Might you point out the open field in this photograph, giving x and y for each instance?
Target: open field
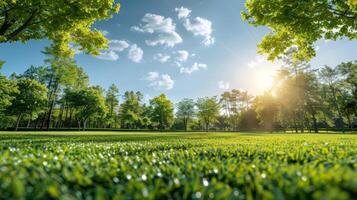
(111, 165)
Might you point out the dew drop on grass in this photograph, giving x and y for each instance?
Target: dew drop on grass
(116, 180)
(176, 181)
(128, 176)
(263, 175)
(145, 192)
(144, 177)
(236, 193)
(198, 195)
(205, 182)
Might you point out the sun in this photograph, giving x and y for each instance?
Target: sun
(263, 79)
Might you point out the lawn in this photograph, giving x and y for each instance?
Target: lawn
(113, 165)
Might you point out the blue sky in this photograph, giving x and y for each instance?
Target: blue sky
(184, 48)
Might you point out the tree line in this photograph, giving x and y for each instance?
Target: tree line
(58, 95)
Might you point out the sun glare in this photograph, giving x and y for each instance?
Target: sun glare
(263, 79)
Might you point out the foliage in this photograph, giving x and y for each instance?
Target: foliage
(89, 102)
(177, 166)
(64, 22)
(186, 111)
(208, 110)
(7, 89)
(162, 111)
(131, 110)
(301, 24)
(30, 101)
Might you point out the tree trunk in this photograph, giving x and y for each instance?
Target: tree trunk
(52, 105)
(28, 122)
(18, 121)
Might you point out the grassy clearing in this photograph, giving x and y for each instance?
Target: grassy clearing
(112, 165)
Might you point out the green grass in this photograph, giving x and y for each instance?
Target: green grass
(110, 165)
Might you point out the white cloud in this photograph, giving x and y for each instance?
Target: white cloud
(193, 68)
(182, 55)
(223, 85)
(108, 55)
(183, 12)
(135, 53)
(115, 46)
(261, 61)
(163, 28)
(152, 76)
(160, 81)
(200, 27)
(118, 45)
(258, 60)
(162, 58)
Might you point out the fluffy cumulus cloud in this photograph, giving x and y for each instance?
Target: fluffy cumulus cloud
(118, 45)
(182, 55)
(108, 55)
(200, 27)
(162, 58)
(160, 81)
(193, 68)
(135, 53)
(115, 47)
(223, 85)
(183, 12)
(163, 28)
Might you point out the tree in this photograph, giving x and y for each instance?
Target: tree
(330, 77)
(208, 110)
(30, 100)
(131, 110)
(89, 102)
(185, 111)
(63, 72)
(162, 111)
(267, 109)
(301, 24)
(112, 103)
(7, 89)
(64, 22)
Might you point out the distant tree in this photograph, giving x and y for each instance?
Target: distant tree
(112, 103)
(330, 76)
(267, 109)
(7, 89)
(130, 111)
(61, 21)
(89, 103)
(208, 110)
(248, 120)
(185, 111)
(301, 24)
(348, 90)
(62, 73)
(162, 111)
(30, 100)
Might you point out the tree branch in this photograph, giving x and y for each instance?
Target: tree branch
(23, 26)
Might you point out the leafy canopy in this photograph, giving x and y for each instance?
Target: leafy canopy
(301, 23)
(162, 111)
(62, 21)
